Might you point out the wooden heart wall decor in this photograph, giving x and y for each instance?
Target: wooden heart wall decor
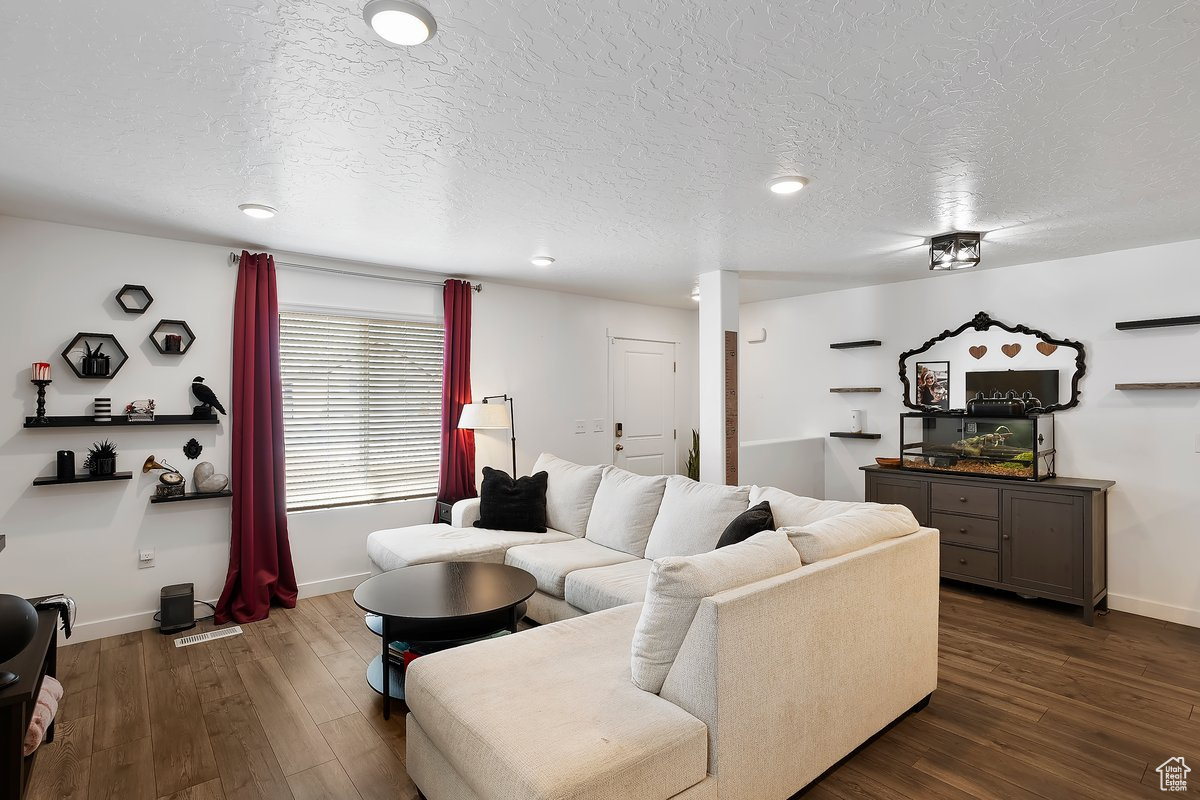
(1045, 348)
(978, 351)
(1011, 350)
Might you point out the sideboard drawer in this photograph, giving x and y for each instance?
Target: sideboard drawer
(976, 532)
(961, 499)
(970, 563)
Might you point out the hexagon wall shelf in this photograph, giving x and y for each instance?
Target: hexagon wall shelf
(163, 337)
(75, 354)
(134, 298)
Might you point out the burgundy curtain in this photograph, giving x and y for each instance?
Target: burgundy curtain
(456, 480)
(260, 558)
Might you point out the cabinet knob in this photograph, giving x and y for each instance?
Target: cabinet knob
(962, 561)
(962, 530)
(1004, 536)
(962, 499)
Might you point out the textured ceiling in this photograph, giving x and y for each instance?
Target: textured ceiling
(630, 139)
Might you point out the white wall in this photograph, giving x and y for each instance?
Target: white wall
(549, 351)
(1145, 441)
(545, 348)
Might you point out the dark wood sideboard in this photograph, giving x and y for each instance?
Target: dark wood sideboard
(1045, 539)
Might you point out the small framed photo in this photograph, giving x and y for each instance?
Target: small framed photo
(933, 384)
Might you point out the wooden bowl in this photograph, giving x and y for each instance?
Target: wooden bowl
(888, 462)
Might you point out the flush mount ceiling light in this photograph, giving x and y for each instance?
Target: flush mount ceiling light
(957, 250)
(788, 184)
(541, 261)
(257, 210)
(400, 22)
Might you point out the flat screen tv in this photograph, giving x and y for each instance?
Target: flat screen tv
(1041, 383)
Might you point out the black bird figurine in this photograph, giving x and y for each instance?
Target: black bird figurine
(205, 395)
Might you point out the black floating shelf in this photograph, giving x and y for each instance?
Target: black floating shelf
(856, 390)
(192, 496)
(848, 435)
(852, 345)
(1167, 322)
(1127, 387)
(2, 541)
(89, 422)
(54, 480)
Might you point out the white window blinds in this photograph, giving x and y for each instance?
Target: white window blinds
(362, 403)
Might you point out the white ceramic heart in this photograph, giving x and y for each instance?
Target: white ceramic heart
(205, 479)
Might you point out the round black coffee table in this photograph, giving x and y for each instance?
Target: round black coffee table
(449, 602)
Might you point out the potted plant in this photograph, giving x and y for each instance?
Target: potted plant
(101, 459)
(693, 459)
(95, 363)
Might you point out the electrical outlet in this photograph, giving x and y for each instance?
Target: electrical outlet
(597, 426)
(580, 426)
(145, 559)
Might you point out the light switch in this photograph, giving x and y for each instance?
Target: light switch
(580, 426)
(598, 427)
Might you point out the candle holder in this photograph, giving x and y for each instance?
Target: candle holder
(41, 418)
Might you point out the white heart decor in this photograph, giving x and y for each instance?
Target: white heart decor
(206, 481)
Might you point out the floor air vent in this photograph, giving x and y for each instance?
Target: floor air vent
(197, 638)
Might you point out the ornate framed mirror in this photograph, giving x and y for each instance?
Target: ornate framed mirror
(993, 357)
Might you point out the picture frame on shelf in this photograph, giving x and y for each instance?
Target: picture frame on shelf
(933, 384)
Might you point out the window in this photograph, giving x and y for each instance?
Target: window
(362, 403)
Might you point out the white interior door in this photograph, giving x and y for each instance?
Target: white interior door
(642, 387)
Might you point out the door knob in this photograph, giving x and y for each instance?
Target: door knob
(619, 447)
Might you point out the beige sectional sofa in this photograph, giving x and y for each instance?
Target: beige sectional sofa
(748, 693)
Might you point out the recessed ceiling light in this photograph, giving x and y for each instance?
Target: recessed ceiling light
(541, 261)
(257, 210)
(400, 22)
(788, 184)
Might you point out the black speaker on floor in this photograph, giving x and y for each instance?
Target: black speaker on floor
(177, 608)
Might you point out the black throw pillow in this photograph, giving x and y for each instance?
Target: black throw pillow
(751, 521)
(512, 505)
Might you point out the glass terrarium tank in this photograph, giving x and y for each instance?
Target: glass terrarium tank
(1019, 447)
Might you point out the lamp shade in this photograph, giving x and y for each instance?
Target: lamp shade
(484, 416)
(18, 626)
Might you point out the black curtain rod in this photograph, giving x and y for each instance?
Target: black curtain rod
(235, 258)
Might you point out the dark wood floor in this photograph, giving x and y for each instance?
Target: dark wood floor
(1030, 704)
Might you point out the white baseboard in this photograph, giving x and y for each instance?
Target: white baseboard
(1150, 608)
(144, 620)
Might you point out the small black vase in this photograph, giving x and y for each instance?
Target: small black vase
(103, 466)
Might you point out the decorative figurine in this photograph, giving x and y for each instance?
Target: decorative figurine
(102, 409)
(208, 400)
(140, 411)
(171, 483)
(101, 459)
(205, 481)
(193, 449)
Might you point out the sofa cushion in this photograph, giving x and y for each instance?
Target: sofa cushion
(755, 519)
(581, 731)
(851, 530)
(676, 587)
(425, 544)
(624, 510)
(792, 510)
(569, 492)
(509, 504)
(551, 563)
(599, 588)
(692, 516)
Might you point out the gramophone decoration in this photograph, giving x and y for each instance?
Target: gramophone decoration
(171, 482)
(208, 400)
(206, 480)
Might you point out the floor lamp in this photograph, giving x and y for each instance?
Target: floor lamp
(491, 416)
